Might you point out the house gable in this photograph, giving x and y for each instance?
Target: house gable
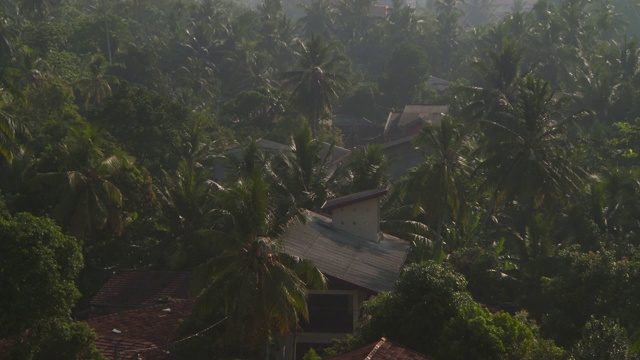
(358, 214)
(411, 120)
(362, 219)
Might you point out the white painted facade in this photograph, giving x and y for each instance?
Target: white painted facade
(360, 219)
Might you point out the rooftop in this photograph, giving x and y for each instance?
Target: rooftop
(138, 288)
(350, 199)
(148, 331)
(381, 350)
(264, 144)
(336, 253)
(412, 113)
(438, 83)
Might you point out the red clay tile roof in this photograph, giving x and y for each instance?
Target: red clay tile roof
(148, 331)
(138, 288)
(382, 350)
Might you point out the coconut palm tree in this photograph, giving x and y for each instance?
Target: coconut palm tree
(318, 79)
(319, 18)
(7, 131)
(498, 72)
(9, 128)
(261, 289)
(95, 86)
(448, 18)
(38, 9)
(7, 34)
(306, 171)
(443, 175)
(188, 195)
(368, 168)
(199, 74)
(85, 198)
(29, 70)
(526, 153)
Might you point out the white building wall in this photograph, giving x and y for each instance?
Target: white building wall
(361, 219)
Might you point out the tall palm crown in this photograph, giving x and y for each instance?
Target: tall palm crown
(84, 195)
(526, 156)
(94, 85)
(319, 78)
(318, 19)
(259, 286)
(10, 127)
(305, 171)
(444, 171)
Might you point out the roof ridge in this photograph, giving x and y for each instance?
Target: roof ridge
(143, 309)
(375, 348)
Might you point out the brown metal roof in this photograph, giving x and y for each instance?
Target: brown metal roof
(148, 331)
(137, 288)
(350, 199)
(382, 350)
(372, 266)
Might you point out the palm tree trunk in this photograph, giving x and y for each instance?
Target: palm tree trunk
(106, 27)
(492, 204)
(266, 350)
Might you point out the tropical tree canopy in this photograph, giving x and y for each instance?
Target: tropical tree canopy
(320, 77)
(261, 288)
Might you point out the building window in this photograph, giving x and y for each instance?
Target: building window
(329, 313)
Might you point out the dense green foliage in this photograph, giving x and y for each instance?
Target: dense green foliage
(39, 267)
(114, 113)
(451, 325)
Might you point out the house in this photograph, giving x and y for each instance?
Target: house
(380, 350)
(137, 312)
(403, 156)
(143, 308)
(400, 131)
(438, 83)
(357, 131)
(132, 289)
(358, 260)
(145, 333)
(412, 119)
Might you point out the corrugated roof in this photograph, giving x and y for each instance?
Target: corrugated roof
(263, 144)
(382, 350)
(351, 120)
(336, 153)
(137, 288)
(438, 83)
(354, 198)
(373, 266)
(406, 139)
(148, 331)
(423, 113)
(392, 120)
